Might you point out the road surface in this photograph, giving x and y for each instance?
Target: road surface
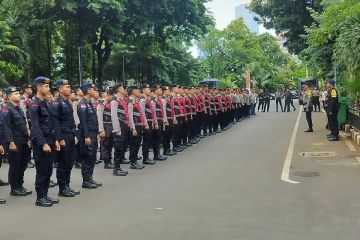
(228, 186)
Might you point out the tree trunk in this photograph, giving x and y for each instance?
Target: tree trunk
(103, 55)
(48, 43)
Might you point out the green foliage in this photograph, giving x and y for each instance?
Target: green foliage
(235, 50)
(289, 17)
(334, 41)
(153, 38)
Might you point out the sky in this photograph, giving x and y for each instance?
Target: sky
(224, 12)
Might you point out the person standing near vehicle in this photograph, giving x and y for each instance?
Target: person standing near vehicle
(278, 97)
(316, 99)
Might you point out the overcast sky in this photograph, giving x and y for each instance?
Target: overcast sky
(224, 11)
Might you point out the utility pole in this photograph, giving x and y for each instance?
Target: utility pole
(80, 61)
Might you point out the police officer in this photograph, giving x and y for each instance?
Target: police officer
(25, 104)
(308, 107)
(63, 112)
(150, 124)
(120, 125)
(137, 123)
(105, 129)
(2, 151)
(44, 130)
(18, 142)
(162, 122)
(332, 110)
(171, 119)
(88, 132)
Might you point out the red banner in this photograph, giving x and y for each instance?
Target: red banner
(248, 83)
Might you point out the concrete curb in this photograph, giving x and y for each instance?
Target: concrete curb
(354, 133)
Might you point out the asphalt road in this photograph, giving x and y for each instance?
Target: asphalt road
(226, 187)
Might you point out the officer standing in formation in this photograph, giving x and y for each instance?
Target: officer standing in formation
(44, 134)
(88, 132)
(18, 139)
(63, 113)
(66, 128)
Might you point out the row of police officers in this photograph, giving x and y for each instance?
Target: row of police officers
(69, 127)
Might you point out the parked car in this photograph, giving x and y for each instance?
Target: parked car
(272, 96)
(294, 95)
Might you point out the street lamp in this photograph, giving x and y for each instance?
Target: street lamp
(80, 63)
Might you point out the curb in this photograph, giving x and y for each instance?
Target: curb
(354, 133)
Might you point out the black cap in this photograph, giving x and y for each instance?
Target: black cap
(25, 86)
(145, 86)
(114, 89)
(41, 80)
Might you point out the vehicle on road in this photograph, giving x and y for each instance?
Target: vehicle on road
(272, 96)
(294, 94)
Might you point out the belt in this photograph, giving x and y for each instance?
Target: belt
(49, 133)
(68, 130)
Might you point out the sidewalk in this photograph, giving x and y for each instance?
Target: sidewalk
(314, 156)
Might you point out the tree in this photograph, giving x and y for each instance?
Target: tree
(235, 50)
(289, 17)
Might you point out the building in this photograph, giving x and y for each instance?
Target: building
(243, 11)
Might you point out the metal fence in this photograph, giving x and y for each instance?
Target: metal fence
(353, 116)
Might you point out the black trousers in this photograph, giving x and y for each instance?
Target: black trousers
(135, 142)
(168, 133)
(65, 161)
(77, 150)
(184, 130)
(333, 124)
(106, 146)
(147, 141)
(44, 168)
(177, 134)
(316, 103)
(120, 145)
(279, 102)
(266, 106)
(287, 106)
(309, 119)
(17, 164)
(261, 104)
(157, 138)
(88, 156)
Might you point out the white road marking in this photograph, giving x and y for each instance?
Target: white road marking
(286, 169)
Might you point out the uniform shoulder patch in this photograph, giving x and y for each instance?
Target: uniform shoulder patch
(34, 105)
(83, 105)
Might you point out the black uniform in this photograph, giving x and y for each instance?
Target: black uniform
(16, 132)
(64, 114)
(332, 110)
(88, 128)
(44, 129)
